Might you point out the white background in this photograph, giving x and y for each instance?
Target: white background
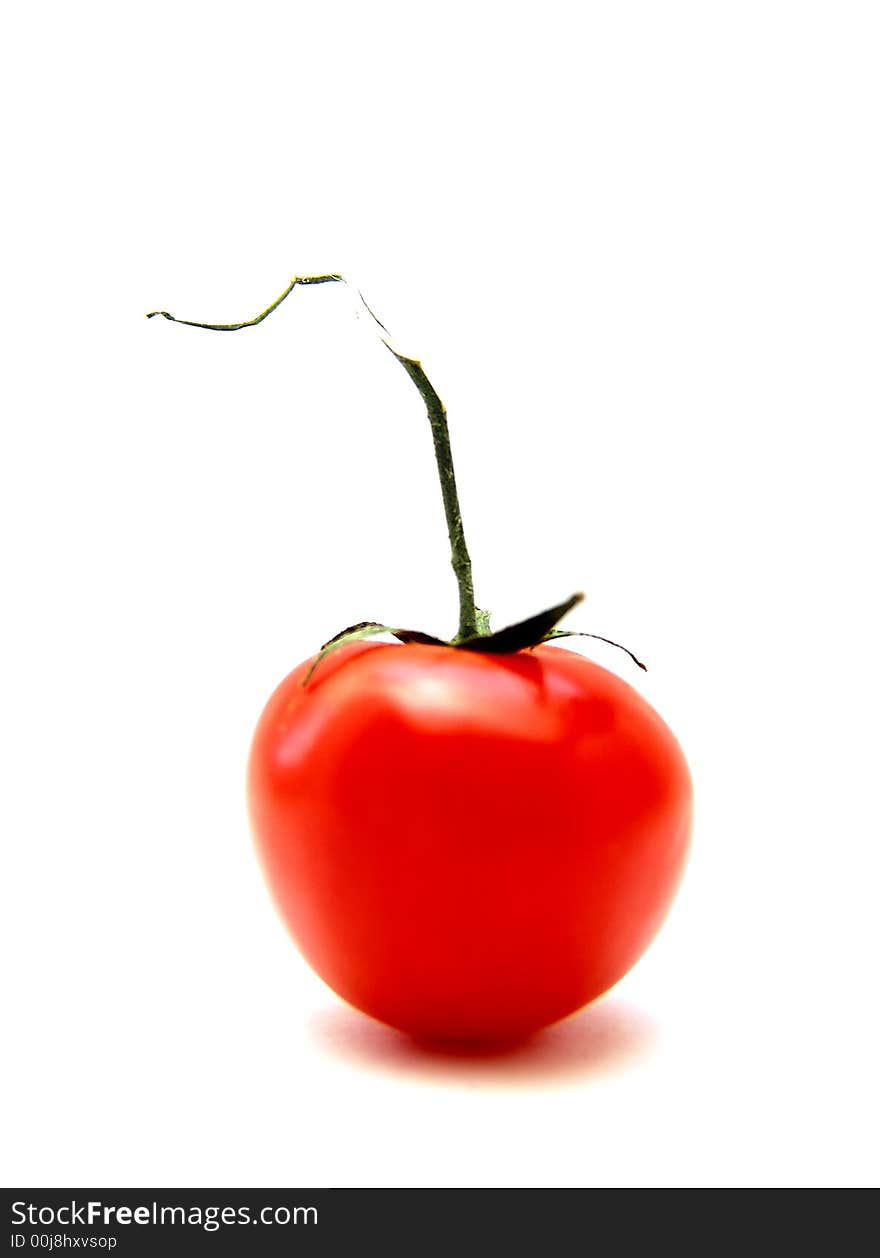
(637, 248)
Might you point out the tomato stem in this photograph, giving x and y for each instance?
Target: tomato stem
(461, 560)
(472, 622)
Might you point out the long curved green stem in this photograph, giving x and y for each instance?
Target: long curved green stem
(471, 622)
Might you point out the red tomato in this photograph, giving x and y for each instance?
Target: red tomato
(468, 846)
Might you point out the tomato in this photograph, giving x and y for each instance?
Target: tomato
(467, 840)
(467, 846)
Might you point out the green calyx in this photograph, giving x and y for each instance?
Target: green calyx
(523, 636)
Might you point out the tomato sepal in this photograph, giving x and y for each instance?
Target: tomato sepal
(364, 630)
(369, 628)
(521, 636)
(577, 633)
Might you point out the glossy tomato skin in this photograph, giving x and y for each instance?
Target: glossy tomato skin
(466, 846)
